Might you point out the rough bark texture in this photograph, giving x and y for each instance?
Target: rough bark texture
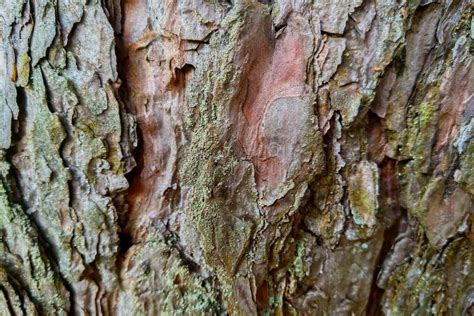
(240, 157)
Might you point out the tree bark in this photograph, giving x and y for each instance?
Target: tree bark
(236, 157)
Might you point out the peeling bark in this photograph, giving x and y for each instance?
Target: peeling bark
(243, 157)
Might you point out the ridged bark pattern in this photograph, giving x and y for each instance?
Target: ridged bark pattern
(287, 157)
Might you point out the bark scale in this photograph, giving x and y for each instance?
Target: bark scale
(213, 157)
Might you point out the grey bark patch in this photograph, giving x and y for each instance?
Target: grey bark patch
(93, 43)
(69, 12)
(44, 30)
(334, 14)
(8, 106)
(332, 58)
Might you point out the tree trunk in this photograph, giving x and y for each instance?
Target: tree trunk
(236, 157)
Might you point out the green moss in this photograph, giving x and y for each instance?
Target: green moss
(275, 305)
(298, 265)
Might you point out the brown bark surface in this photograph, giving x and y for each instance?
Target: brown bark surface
(236, 157)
